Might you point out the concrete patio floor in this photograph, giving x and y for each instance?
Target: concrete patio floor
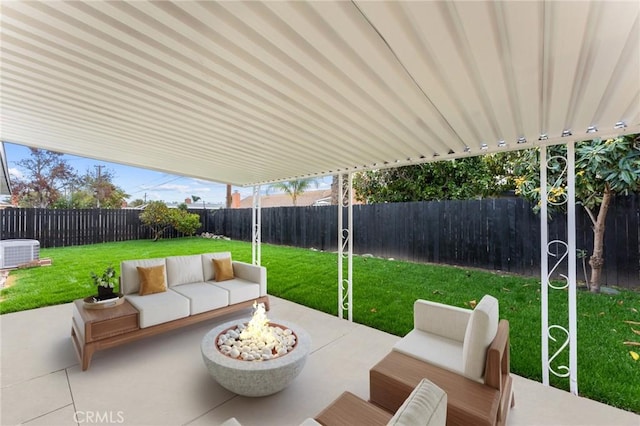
(162, 380)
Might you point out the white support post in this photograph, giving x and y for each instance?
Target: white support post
(256, 224)
(571, 238)
(544, 266)
(556, 194)
(345, 247)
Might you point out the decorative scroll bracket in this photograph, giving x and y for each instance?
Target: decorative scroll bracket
(256, 227)
(345, 246)
(557, 194)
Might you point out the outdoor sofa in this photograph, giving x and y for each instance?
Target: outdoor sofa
(164, 294)
(189, 285)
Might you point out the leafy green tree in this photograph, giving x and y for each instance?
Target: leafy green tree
(158, 217)
(185, 222)
(77, 199)
(105, 193)
(604, 169)
(137, 202)
(46, 174)
(294, 188)
(458, 179)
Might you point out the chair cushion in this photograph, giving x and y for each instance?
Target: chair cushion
(152, 279)
(239, 290)
(437, 350)
(481, 330)
(203, 297)
(160, 307)
(426, 405)
(184, 270)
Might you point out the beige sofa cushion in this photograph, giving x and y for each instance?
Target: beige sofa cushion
(160, 307)
(203, 297)
(184, 270)
(239, 290)
(426, 405)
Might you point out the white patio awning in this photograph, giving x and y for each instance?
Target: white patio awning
(254, 92)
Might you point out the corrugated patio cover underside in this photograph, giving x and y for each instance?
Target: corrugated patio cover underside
(255, 92)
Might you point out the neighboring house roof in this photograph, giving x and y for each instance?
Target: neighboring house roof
(5, 182)
(308, 198)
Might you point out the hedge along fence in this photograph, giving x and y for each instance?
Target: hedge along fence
(496, 234)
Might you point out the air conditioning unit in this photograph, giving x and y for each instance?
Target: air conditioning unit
(14, 253)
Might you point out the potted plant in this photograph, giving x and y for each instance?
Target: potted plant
(105, 283)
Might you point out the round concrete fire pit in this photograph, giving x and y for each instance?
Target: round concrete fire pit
(255, 378)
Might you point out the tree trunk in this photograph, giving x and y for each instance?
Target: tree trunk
(596, 261)
(334, 191)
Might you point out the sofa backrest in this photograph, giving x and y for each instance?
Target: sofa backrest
(481, 330)
(184, 270)
(129, 278)
(207, 263)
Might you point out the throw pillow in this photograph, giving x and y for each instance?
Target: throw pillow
(223, 269)
(151, 280)
(427, 405)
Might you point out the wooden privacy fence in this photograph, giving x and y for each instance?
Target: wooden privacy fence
(496, 234)
(72, 227)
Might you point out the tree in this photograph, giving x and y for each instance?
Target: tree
(294, 188)
(159, 218)
(137, 202)
(185, 222)
(104, 192)
(91, 191)
(195, 199)
(604, 169)
(457, 179)
(46, 174)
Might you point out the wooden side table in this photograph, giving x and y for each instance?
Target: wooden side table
(97, 329)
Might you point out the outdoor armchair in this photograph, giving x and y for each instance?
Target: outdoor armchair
(452, 338)
(472, 343)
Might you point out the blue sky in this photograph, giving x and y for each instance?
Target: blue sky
(139, 183)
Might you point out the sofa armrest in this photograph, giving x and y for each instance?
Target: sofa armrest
(443, 320)
(252, 273)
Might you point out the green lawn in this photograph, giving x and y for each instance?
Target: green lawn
(383, 295)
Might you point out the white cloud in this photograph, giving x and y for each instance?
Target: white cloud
(15, 173)
(166, 187)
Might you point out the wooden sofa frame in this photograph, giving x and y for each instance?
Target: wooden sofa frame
(85, 345)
